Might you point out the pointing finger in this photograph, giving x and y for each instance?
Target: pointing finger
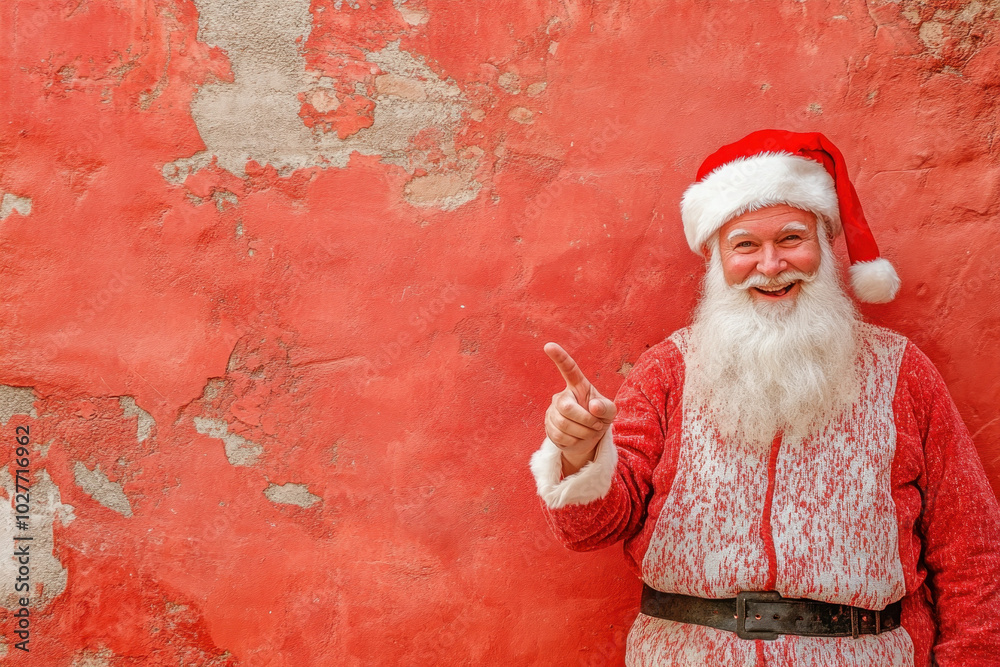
(574, 377)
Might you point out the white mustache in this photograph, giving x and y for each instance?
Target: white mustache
(778, 281)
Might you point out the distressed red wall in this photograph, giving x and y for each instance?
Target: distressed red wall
(276, 278)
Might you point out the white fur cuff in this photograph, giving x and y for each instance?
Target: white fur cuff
(591, 482)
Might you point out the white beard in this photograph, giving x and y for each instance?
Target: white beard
(758, 368)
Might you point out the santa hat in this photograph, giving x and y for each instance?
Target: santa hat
(800, 169)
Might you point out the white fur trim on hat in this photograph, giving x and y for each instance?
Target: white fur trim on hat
(591, 482)
(747, 184)
(875, 281)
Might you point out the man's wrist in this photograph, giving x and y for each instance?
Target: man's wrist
(573, 465)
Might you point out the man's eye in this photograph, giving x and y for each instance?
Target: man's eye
(792, 237)
(744, 244)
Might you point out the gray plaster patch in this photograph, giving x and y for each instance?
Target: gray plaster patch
(97, 485)
(100, 658)
(510, 82)
(16, 401)
(255, 117)
(46, 571)
(444, 191)
(411, 16)
(213, 386)
(224, 197)
(239, 450)
(291, 494)
(146, 421)
(536, 89)
(10, 203)
(522, 115)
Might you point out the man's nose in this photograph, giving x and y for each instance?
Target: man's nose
(770, 263)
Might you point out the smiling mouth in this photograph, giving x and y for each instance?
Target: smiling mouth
(775, 292)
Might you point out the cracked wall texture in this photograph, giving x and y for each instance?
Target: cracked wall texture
(276, 276)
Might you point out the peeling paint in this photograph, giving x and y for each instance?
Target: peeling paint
(536, 89)
(522, 115)
(257, 116)
(239, 450)
(224, 199)
(97, 485)
(445, 191)
(410, 15)
(146, 422)
(213, 386)
(953, 35)
(291, 494)
(16, 401)
(399, 86)
(10, 203)
(48, 575)
(510, 82)
(102, 658)
(932, 35)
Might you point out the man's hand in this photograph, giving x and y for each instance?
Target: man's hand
(578, 416)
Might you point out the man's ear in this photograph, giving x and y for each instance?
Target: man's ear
(711, 245)
(824, 224)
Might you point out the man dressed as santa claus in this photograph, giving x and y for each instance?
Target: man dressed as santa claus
(793, 485)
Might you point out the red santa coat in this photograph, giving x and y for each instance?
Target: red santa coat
(888, 502)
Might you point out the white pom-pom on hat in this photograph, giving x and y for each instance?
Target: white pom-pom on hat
(874, 281)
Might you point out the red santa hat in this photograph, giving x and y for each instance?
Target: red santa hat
(801, 169)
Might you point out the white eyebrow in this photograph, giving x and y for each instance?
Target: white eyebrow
(737, 232)
(794, 227)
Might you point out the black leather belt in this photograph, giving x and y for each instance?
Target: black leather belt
(765, 615)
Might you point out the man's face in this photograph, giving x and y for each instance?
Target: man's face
(770, 250)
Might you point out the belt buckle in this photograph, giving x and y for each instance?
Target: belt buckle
(742, 598)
